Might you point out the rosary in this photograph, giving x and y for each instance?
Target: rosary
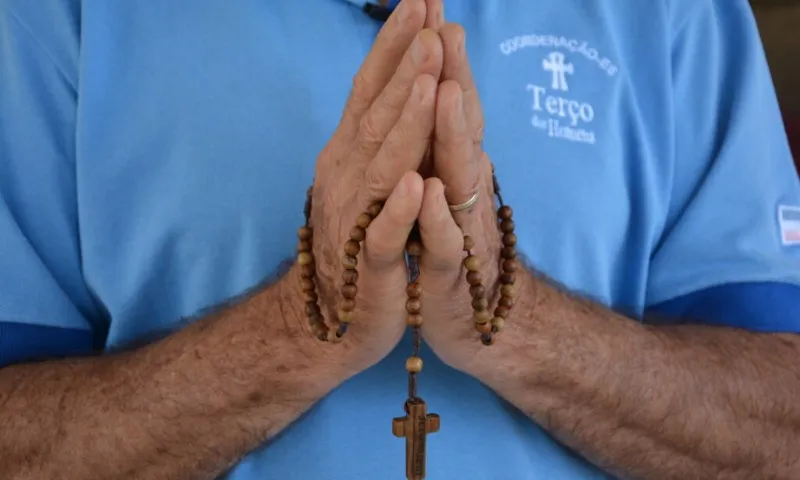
(417, 422)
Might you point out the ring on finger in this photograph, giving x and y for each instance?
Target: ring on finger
(468, 204)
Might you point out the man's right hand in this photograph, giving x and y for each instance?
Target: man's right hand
(374, 155)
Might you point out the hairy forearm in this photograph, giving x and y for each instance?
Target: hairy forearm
(187, 406)
(682, 402)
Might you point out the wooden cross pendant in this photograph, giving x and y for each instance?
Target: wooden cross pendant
(415, 427)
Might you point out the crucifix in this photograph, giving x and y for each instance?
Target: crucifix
(415, 426)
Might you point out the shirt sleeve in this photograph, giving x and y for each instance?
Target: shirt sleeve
(45, 307)
(734, 178)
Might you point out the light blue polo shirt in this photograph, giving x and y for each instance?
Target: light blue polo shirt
(154, 157)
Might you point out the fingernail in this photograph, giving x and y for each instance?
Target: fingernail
(402, 189)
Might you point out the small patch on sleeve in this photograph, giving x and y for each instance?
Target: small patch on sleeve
(789, 222)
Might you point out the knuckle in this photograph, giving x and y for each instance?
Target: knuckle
(452, 34)
(375, 184)
(415, 13)
(362, 86)
(369, 131)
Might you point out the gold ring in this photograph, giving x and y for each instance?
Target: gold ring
(469, 203)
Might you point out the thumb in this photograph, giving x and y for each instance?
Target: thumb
(388, 233)
(442, 237)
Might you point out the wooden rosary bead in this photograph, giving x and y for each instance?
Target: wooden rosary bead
(347, 305)
(350, 276)
(352, 248)
(349, 262)
(303, 246)
(349, 291)
(305, 258)
(345, 317)
(501, 312)
(480, 303)
(334, 337)
(485, 327)
(498, 323)
(314, 320)
(358, 234)
(508, 278)
(507, 302)
(414, 321)
(414, 364)
(305, 233)
(482, 316)
(509, 253)
(505, 212)
(507, 226)
(363, 221)
(472, 264)
(311, 296)
(312, 308)
(510, 266)
(375, 209)
(469, 243)
(307, 271)
(413, 306)
(507, 290)
(307, 285)
(413, 290)
(509, 240)
(474, 278)
(414, 248)
(487, 339)
(477, 291)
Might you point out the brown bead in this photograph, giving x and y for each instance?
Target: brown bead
(469, 243)
(349, 262)
(510, 266)
(375, 209)
(505, 212)
(358, 234)
(483, 327)
(305, 233)
(474, 278)
(414, 248)
(312, 309)
(307, 271)
(501, 312)
(413, 306)
(477, 291)
(305, 258)
(350, 276)
(472, 263)
(311, 296)
(307, 285)
(352, 248)
(363, 220)
(349, 290)
(318, 328)
(508, 278)
(345, 317)
(507, 290)
(487, 339)
(508, 252)
(414, 320)
(507, 302)
(479, 304)
(347, 305)
(334, 337)
(413, 290)
(509, 240)
(482, 316)
(498, 323)
(414, 364)
(303, 246)
(507, 226)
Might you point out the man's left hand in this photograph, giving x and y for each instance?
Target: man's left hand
(462, 169)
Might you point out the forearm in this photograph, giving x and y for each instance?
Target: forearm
(679, 402)
(187, 406)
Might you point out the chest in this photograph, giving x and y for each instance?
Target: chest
(199, 129)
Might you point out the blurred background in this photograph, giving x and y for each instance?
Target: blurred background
(779, 22)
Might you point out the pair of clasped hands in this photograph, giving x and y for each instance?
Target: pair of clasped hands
(411, 135)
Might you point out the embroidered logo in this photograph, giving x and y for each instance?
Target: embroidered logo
(556, 110)
(789, 221)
